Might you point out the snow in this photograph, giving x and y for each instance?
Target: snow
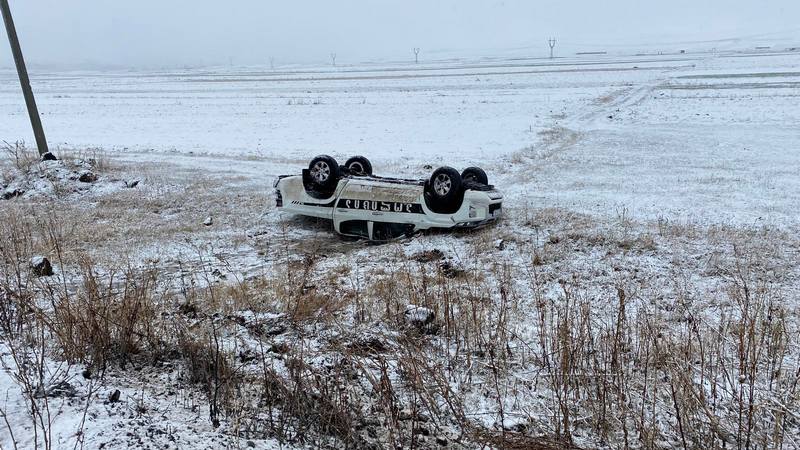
(474, 109)
(37, 261)
(154, 411)
(700, 136)
(635, 169)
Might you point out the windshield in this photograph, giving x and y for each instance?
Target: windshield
(354, 228)
(383, 231)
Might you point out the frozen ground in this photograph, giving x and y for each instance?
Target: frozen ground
(650, 174)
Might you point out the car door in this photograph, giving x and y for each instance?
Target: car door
(379, 201)
(355, 203)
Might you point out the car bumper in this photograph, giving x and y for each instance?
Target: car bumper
(490, 215)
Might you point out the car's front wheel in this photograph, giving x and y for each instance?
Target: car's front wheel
(324, 172)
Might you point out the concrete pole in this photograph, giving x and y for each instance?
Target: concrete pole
(30, 102)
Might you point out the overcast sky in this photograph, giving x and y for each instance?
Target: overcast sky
(205, 32)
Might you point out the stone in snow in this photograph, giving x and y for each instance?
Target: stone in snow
(41, 266)
(87, 177)
(60, 389)
(209, 220)
(516, 424)
(49, 157)
(10, 193)
(132, 183)
(418, 315)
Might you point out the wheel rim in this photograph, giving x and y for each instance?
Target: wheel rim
(357, 168)
(442, 184)
(321, 171)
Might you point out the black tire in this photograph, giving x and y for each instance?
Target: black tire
(359, 165)
(475, 174)
(445, 186)
(324, 172)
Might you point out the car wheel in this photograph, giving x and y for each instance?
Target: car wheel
(359, 165)
(324, 172)
(474, 174)
(445, 186)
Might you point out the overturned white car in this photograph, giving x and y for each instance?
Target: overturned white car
(363, 205)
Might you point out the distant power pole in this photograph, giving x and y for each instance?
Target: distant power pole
(30, 102)
(333, 58)
(416, 54)
(272, 62)
(552, 43)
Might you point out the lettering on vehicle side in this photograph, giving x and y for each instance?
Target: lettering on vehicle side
(378, 205)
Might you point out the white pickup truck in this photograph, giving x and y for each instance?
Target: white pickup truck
(363, 205)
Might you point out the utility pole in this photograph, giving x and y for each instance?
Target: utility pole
(333, 58)
(30, 102)
(552, 43)
(416, 55)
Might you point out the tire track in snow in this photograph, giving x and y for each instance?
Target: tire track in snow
(626, 99)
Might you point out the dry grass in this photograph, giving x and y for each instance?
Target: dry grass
(21, 157)
(551, 330)
(98, 159)
(631, 372)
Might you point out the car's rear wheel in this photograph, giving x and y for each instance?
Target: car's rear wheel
(359, 165)
(474, 174)
(324, 172)
(445, 187)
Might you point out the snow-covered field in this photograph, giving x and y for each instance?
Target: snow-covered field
(666, 180)
(703, 136)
